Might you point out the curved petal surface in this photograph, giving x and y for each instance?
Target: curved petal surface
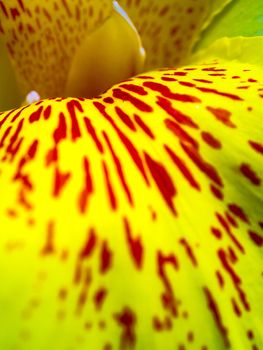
(134, 221)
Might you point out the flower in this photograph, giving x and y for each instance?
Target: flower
(132, 220)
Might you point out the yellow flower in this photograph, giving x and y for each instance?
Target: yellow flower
(131, 220)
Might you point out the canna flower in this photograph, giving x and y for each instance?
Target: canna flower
(131, 218)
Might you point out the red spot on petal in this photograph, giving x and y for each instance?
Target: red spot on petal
(49, 245)
(236, 308)
(186, 83)
(239, 212)
(143, 126)
(119, 169)
(5, 135)
(222, 115)
(220, 93)
(105, 258)
(89, 245)
(52, 156)
(205, 167)
(134, 88)
(127, 320)
(220, 279)
(162, 180)
(226, 263)
(258, 147)
(112, 197)
(183, 168)
(61, 131)
(256, 238)
(213, 69)
(204, 81)
(137, 103)
(60, 181)
(88, 187)
(168, 79)
(217, 316)
(47, 112)
(92, 132)
(227, 229)
(180, 74)
(73, 106)
(211, 140)
(178, 116)
(35, 116)
(15, 144)
(135, 245)
(216, 232)
(189, 251)
(17, 115)
(166, 92)
(250, 174)
(109, 100)
(99, 298)
(250, 334)
(180, 133)
(125, 118)
(217, 192)
(168, 297)
(159, 325)
(133, 152)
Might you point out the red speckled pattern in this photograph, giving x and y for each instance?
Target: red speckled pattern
(134, 220)
(170, 28)
(43, 36)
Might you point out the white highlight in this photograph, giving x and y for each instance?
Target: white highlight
(121, 12)
(32, 97)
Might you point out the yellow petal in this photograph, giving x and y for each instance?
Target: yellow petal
(170, 28)
(109, 55)
(242, 49)
(43, 37)
(134, 221)
(9, 92)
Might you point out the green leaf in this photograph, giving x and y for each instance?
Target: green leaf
(239, 18)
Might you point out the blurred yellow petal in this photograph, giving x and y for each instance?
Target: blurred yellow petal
(9, 92)
(52, 44)
(134, 220)
(110, 55)
(170, 28)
